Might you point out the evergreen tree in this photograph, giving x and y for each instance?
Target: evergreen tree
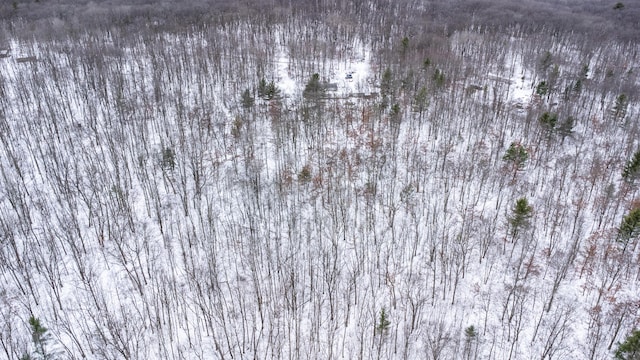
(313, 88)
(386, 88)
(470, 337)
(395, 111)
(585, 71)
(549, 120)
(40, 338)
(470, 332)
(620, 108)
(267, 91)
(545, 61)
(516, 154)
(247, 99)
(262, 88)
(577, 87)
(420, 100)
(383, 322)
(168, 158)
(386, 84)
(542, 89)
(630, 226)
(39, 335)
(632, 168)
(521, 214)
(630, 348)
(405, 45)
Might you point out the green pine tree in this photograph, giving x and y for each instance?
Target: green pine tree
(405, 45)
(168, 158)
(577, 87)
(549, 120)
(546, 61)
(516, 154)
(470, 332)
(632, 168)
(247, 99)
(470, 337)
(585, 71)
(386, 84)
(630, 226)
(262, 88)
(542, 89)
(630, 348)
(620, 107)
(272, 91)
(268, 90)
(395, 111)
(39, 335)
(383, 322)
(313, 88)
(40, 338)
(520, 216)
(420, 101)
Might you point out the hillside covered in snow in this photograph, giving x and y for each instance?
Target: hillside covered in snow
(379, 180)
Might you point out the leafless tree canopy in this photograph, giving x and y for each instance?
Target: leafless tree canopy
(319, 180)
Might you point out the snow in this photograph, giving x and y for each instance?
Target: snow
(227, 252)
(283, 78)
(352, 75)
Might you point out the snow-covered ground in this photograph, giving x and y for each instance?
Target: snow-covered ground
(351, 75)
(146, 214)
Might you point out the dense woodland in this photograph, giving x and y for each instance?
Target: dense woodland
(183, 180)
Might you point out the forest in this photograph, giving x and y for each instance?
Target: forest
(328, 179)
